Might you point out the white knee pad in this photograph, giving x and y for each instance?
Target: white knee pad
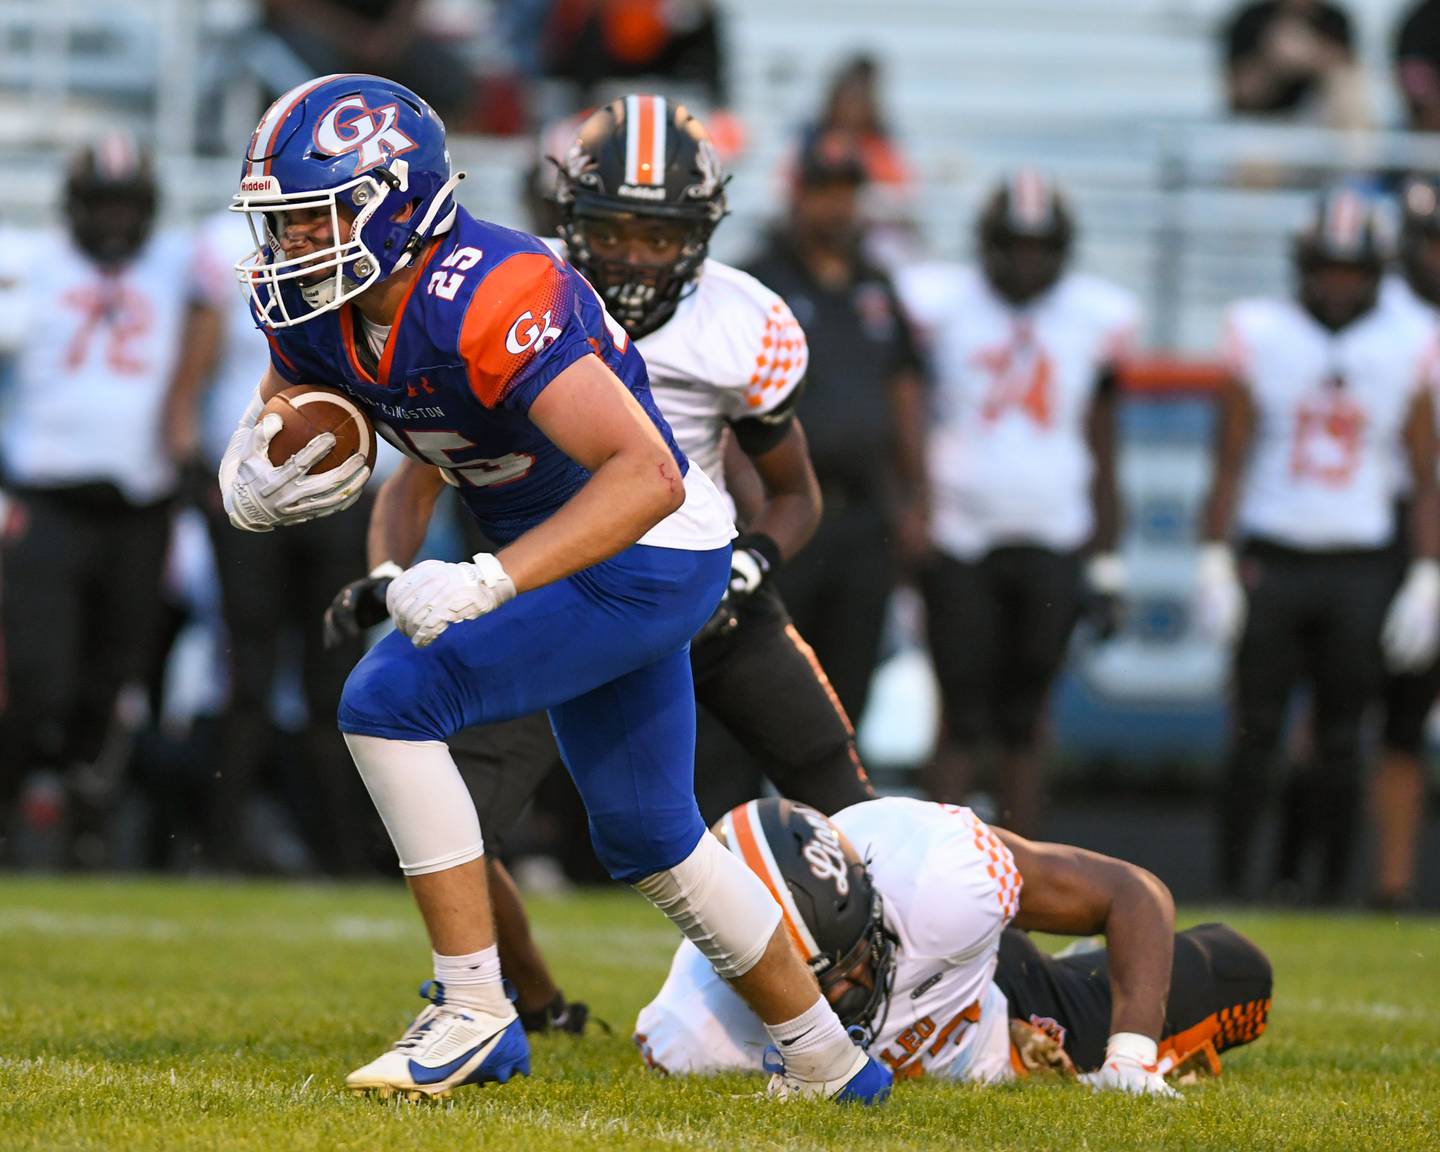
(423, 801)
(721, 906)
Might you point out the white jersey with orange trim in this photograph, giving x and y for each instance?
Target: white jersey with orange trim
(732, 351)
(949, 888)
(1330, 411)
(1008, 457)
(93, 368)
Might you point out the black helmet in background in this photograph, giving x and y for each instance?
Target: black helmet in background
(110, 199)
(1340, 257)
(1420, 237)
(1025, 234)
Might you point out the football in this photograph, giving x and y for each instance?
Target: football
(305, 411)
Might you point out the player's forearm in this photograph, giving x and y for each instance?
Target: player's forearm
(1104, 488)
(1420, 441)
(1139, 934)
(791, 511)
(624, 498)
(907, 401)
(401, 515)
(1232, 442)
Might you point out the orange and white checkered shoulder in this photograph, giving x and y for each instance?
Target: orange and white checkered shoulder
(754, 350)
(949, 883)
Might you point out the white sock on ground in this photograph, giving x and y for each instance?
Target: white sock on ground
(814, 1045)
(473, 981)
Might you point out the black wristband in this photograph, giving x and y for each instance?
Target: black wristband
(764, 546)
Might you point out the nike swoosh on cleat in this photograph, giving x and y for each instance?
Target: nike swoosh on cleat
(422, 1074)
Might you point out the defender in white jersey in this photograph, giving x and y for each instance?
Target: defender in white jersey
(1021, 465)
(904, 907)
(1326, 389)
(95, 314)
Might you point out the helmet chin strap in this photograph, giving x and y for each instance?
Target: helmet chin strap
(423, 230)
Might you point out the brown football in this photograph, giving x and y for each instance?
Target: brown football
(305, 411)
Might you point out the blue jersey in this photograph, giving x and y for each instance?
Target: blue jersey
(492, 317)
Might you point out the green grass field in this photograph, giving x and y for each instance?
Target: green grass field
(152, 1015)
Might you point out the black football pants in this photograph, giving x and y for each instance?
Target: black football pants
(1313, 618)
(80, 572)
(1220, 987)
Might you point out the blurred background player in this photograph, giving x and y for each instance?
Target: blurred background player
(102, 303)
(914, 915)
(863, 411)
(274, 590)
(1327, 388)
(1397, 797)
(701, 327)
(1024, 514)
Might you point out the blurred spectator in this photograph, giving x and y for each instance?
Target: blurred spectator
(384, 37)
(1295, 58)
(1326, 389)
(1022, 480)
(1398, 785)
(863, 415)
(1417, 65)
(95, 312)
(679, 41)
(852, 109)
(275, 587)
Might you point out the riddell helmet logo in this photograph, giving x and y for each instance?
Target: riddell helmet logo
(536, 334)
(642, 192)
(263, 184)
(351, 125)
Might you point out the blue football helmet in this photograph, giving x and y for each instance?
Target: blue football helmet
(363, 148)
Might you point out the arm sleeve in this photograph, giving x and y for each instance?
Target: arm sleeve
(522, 327)
(280, 360)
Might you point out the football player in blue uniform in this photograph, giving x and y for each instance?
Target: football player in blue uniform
(476, 349)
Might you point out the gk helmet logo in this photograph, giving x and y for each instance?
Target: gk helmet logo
(538, 335)
(353, 126)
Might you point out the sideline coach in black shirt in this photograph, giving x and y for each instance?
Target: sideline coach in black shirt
(863, 414)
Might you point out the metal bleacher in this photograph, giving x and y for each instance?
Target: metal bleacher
(1121, 99)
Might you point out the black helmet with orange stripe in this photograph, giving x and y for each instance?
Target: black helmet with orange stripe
(110, 198)
(641, 191)
(832, 911)
(1340, 257)
(1025, 233)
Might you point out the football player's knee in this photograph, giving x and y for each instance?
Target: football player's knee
(639, 842)
(380, 699)
(719, 904)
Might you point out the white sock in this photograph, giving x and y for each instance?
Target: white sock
(814, 1045)
(473, 981)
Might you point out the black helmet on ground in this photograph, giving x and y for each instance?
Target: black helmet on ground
(832, 912)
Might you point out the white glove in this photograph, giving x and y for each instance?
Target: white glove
(259, 495)
(1130, 1066)
(1219, 601)
(1411, 634)
(428, 598)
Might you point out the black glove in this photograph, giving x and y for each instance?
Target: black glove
(754, 557)
(357, 606)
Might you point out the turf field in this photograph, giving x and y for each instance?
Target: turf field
(149, 1015)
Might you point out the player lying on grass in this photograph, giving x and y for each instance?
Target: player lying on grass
(475, 349)
(913, 915)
